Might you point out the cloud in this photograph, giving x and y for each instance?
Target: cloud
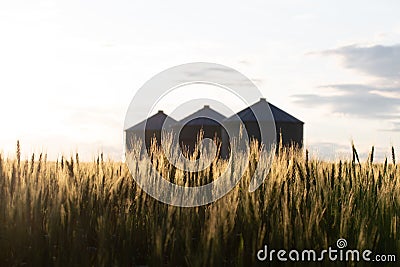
(372, 101)
(395, 127)
(356, 100)
(379, 60)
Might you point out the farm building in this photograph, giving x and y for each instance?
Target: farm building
(206, 120)
(287, 127)
(152, 126)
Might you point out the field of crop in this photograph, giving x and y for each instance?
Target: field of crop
(72, 213)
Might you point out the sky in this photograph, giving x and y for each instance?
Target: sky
(69, 69)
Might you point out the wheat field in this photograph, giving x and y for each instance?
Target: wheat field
(72, 213)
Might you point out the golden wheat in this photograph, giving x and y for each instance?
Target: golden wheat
(72, 213)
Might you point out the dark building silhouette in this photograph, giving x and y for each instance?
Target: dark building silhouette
(287, 127)
(206, 120)
(152, 126)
